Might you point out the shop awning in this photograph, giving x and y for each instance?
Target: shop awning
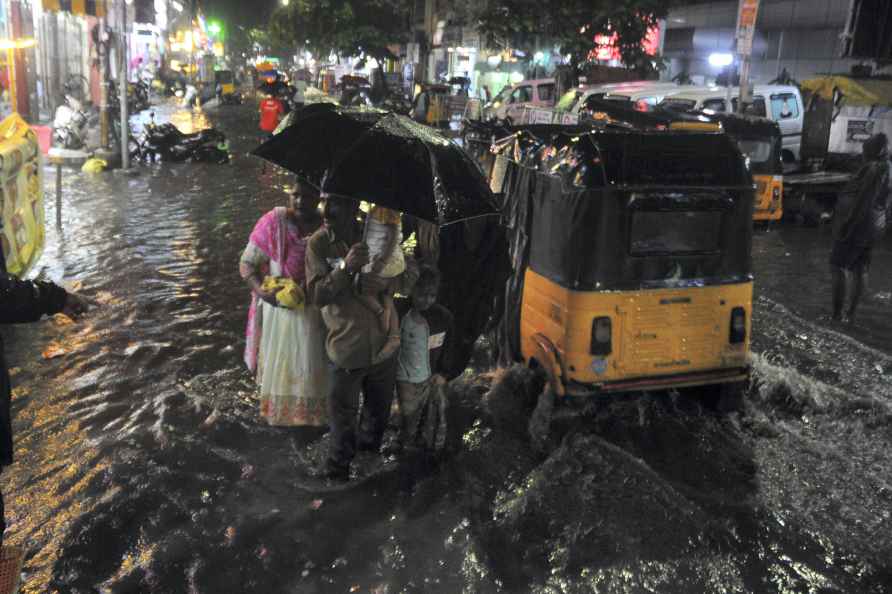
(95, 8)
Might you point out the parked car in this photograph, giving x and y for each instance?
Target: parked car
(639, 94)
(511, 101)
(781, 103)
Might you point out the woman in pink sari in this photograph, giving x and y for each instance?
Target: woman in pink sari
(285, 347)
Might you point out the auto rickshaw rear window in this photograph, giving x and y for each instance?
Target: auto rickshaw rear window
(662, 233)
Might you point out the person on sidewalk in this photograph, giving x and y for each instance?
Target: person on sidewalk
(861, 219)
(24, 301)
(426, 332)
(335, 257)
(285, 346)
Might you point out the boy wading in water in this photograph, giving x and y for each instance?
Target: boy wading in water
(425, 332)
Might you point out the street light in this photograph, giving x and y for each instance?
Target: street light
(720, 60)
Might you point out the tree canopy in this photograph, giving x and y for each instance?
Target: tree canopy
(345, 27)
(572, 24)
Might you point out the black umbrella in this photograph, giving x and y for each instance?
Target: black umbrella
(403, 165)
(316, 139)
(385, 159)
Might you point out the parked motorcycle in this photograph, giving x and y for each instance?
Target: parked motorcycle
(71, 117)
(169, 144)
(137, 97)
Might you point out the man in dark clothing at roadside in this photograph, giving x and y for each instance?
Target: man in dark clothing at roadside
(335, 257)
(24, 301)
(861, 219)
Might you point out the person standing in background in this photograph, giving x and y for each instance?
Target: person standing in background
(861, 219)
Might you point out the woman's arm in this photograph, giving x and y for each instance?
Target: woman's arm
(250, 270)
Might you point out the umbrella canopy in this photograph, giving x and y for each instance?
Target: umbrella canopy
(385, 159)
(411, 168)
(315, 140)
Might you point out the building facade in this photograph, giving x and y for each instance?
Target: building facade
(805, 38)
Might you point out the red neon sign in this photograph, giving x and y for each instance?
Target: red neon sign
(606, 47)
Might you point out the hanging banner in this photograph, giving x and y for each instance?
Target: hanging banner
(95, 8)
(21, 196)
(746, 26)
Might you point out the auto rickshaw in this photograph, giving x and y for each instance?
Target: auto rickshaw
(631, 261)
(431, 105)
(224, 80)
(759, 139)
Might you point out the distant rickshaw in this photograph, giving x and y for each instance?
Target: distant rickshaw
(224, 80)
(760, 141)
(758, 138)
(631, 259)
(436, 105)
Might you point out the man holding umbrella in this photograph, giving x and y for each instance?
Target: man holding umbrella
(335, 257)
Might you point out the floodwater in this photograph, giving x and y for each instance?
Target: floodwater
(142, 466)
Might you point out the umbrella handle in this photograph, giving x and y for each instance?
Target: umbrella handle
(365, 226)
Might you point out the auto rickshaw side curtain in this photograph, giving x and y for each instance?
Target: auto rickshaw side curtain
(519, 188)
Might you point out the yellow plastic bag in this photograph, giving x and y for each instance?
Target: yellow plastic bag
(95, 165)
(288, 293)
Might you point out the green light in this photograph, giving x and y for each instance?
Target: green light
(214, 28)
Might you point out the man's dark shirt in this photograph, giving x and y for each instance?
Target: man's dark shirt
(20, 301)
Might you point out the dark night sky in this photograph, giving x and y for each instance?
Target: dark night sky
(239, 12)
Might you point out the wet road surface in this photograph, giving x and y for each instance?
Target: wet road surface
(142, 465)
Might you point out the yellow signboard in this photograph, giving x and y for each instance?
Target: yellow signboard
(21, 195)
(95, 8)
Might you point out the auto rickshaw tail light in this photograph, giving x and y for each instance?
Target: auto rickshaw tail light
(738, 326)
(776, 194)
(602, 330)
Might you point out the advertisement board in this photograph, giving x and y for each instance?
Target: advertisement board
(746, 26)
(21, 196)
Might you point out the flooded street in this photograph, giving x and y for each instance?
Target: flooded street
(142, 465)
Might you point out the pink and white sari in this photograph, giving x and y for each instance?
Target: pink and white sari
(286, 348)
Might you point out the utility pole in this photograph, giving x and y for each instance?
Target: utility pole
(747, 12)
(102, 51)
(122, 88)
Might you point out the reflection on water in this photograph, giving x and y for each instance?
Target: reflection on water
(142, 466)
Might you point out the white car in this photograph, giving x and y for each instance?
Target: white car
(637, 94)
(781, 103)
(512, 100)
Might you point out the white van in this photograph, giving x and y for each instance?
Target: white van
(637, 94)
(511, 101)
(782, 103)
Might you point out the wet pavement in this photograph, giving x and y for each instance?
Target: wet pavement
(142, 465)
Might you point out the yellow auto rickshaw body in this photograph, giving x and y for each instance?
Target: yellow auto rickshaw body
(659, 338)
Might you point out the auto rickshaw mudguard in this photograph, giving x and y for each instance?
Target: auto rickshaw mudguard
(547, 356)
